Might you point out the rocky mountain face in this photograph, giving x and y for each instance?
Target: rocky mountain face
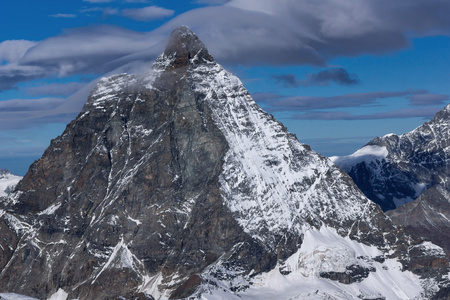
(427, 217)
(176, 184)
(393, 170)
(8, 181)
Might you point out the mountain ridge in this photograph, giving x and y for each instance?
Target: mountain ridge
(404, 166)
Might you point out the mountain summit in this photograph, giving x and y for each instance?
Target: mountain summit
(177, 184)
(184, 45)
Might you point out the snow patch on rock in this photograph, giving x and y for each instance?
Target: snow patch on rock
(59, 295)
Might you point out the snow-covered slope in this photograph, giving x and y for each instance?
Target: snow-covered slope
(177, 185)
(270, 181)
(393, 170)
(8, 181)
(324, 251)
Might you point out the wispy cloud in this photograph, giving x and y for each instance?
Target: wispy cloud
(286, 80)
(26, 105)
(425, 113)
(143, 14)
(86, 49)
(98, 1)
(136, 1)
(341, 101)
(11, 74)
(423, 104)
(147, 13)
(211, 2)
(337, 75)
(266, 97)
(55, 89)
(13, 50)
(26, 113)
(63, 16)
(429, 99)
(247, 32)
(105, 11)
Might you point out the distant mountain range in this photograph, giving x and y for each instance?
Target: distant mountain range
(393, 170)
(177, 185)
(409, 176)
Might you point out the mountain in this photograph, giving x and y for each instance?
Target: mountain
(427, 216)
(177, 184)
(394, 170)
(7, 182)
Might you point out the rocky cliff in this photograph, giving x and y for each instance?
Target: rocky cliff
(427, 217)
(176, 184)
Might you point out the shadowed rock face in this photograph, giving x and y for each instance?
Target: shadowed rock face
(427, 217)
(176, 183)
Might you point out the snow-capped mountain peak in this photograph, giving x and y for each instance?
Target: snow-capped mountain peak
(405, 165)
(177, 184)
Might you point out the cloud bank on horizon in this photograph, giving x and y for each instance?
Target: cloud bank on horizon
(275, 33)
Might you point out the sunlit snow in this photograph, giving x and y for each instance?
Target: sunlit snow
(365, 154)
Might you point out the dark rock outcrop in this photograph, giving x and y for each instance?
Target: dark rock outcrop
(354, 273)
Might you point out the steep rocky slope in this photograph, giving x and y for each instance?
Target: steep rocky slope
(393, 170)
(177, 184)
(427, 217)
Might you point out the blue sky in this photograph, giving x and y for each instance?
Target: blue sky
(335, 72)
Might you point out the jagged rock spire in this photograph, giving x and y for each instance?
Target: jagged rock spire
(184, 45)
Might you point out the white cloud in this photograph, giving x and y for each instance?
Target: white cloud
(13, 50)
(310, 31)
(13, 73)
(147, 13)
(87, 49)
(245, 32)
(63, 16)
